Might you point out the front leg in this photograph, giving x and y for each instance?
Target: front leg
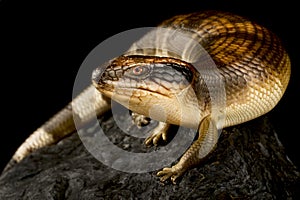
(207, 140)
(158, 133)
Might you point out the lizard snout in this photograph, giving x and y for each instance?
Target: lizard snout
(96, 75)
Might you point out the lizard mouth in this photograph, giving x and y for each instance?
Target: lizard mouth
(131, 92)
(125, 93)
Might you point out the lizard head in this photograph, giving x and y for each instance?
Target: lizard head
(153, 86)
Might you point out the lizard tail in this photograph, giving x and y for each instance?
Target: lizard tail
(84, 107)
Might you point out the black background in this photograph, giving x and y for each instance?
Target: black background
(43, 44)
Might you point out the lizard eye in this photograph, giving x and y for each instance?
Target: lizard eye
(139, 71)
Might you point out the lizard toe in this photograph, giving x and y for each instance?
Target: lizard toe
(155, 138)
(140, 120)
(170, 173)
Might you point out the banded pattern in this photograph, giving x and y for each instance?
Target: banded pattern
(255, 67)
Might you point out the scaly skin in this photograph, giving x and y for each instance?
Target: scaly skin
(251, 62)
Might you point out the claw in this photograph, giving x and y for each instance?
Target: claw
(173, 173)
(155, 138)
(160, 132)
(165, 174)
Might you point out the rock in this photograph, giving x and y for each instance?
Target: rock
(249, 163)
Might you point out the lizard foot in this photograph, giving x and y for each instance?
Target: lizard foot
(140, 120)
(155, 138)
(160, 132)
(171, 173)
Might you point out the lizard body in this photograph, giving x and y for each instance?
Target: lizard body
(250, 59)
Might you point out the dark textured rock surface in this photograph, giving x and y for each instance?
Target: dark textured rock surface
(249, 163)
